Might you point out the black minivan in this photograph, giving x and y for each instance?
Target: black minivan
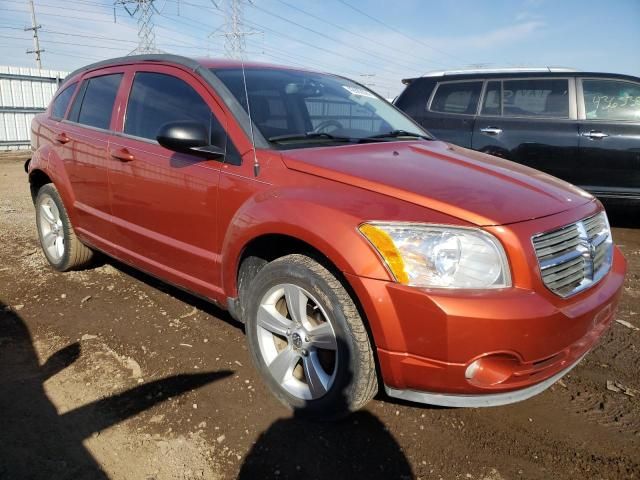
(581, 127)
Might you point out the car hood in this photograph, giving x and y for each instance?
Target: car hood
(472, 186)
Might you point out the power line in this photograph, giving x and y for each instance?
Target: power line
(66, 17)
(103, 46)
(333, 53)
(400, 32)
(308, 62)
(279, 55)
(328, 37)
(348, 31)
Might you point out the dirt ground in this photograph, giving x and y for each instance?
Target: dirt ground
(108, 373)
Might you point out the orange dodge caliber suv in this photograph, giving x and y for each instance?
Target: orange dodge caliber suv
(358, 251)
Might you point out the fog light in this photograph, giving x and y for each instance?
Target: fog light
(492, 369)
(472, 369)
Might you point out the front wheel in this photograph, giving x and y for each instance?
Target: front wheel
(308, 340)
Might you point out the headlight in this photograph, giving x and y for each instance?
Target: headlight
(438, 256)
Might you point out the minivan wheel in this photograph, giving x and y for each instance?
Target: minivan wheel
(308, 340)
(59, 243)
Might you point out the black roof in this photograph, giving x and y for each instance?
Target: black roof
(522, 74)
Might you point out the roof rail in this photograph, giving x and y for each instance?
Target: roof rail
(441, 73)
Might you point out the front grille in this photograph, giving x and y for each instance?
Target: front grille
(576, 256)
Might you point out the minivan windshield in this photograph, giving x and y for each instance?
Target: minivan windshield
(296, 109)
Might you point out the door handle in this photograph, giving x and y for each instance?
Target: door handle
(62, 138)
(122, 154)
(594, 135)
(491, 130)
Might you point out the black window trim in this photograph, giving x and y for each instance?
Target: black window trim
(446, 82)
(82, 90)
(582, 110)
(74, 86)
(121, 133)
(573, 108)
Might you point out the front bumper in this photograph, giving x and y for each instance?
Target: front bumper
(426, 340)
(482, 400)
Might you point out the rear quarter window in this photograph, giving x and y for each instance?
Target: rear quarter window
(456, 97)
(611, 100)
(61, 102)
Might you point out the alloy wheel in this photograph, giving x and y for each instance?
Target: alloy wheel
(51, 229)
(297, 341)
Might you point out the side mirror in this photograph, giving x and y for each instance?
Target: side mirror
(188, 137)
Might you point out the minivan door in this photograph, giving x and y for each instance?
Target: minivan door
(451, 110)
(532, 122)
(164, 203)
(609, 112)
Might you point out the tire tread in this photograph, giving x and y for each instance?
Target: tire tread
(367, 381)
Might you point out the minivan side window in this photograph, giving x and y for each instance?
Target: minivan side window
(60, 104)
(158, 98)
(456, 97)
(535, 98)
(94, 103)
(611, 100)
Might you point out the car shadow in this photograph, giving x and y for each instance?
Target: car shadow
(359, 446)
(37, 442)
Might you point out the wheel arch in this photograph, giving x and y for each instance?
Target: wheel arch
(37, 179)
(270, 246)
(46, 167)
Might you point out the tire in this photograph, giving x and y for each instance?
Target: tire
(319, 362)
(58, 240)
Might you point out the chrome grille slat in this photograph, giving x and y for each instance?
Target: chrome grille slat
(567, 272)
(562, 258)
(560, 237)
(553, 249)
(564, 282)
(575, 256)
(564, 266)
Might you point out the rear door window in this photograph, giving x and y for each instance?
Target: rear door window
(94, 103)
(535, 98)
(611, 100)
(158, 98)
(457, 97)
(61, 103)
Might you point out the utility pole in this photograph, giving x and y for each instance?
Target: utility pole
(233, 30)
(142, 10)
(36, 41)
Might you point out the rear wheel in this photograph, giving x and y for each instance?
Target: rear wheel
(57, 238)
(308, 340)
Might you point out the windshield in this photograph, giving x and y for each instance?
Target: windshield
(294, 109)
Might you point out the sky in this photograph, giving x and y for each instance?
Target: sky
(374, 42)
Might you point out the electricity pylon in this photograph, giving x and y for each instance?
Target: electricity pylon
(234, 30)
(143, 10)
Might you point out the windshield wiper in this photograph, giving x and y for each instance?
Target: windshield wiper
(398, 133)
(309, 136)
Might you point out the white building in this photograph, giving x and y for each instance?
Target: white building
(24, 92)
